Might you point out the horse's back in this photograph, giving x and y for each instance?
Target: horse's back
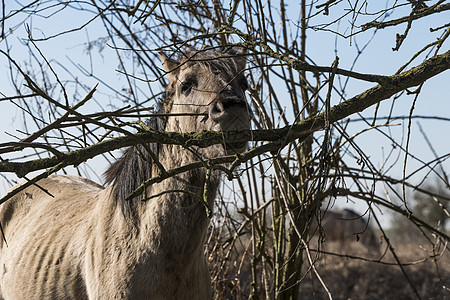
(44, 227)
(44, 192)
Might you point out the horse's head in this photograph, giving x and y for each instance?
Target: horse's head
(211, 87)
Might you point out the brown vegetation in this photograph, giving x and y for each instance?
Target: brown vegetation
(351, 272)
(350, 278)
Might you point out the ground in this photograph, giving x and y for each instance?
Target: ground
(348, 278)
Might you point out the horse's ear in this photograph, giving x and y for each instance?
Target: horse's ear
(242, 51)
(170, 65)
(241, 55)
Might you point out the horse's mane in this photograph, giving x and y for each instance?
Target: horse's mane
(135, 166)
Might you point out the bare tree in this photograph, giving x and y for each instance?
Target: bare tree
(329, 124)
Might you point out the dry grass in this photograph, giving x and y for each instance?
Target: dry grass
(349, 269)
(348, 278)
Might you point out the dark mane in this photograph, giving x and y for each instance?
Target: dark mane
(135, 166)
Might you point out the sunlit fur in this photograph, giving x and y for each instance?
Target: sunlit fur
(88, 242)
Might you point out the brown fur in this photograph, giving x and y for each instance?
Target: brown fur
(87, 242)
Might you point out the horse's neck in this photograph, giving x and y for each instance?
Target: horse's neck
(175, 214)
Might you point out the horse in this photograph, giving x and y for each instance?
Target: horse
(71, 238)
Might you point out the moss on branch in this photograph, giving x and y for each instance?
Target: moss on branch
(278, 137)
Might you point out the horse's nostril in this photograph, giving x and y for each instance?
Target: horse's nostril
(217, 108)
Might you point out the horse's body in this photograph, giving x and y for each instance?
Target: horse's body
(70, 238)
(74, 245)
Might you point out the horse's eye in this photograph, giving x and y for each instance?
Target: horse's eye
(187, 85)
